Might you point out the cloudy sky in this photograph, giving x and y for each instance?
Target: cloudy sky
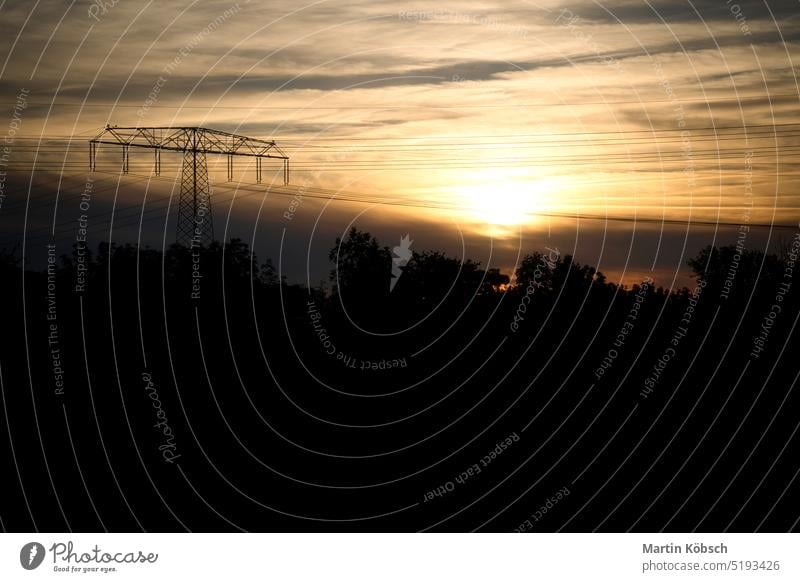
(482, 127)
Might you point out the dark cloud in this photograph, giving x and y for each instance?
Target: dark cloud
(487, 70)
(641, 12)
(214, 84)
(747, 103)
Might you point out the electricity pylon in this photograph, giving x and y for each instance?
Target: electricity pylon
(195, 225)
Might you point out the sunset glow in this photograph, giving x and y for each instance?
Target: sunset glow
(499, 199)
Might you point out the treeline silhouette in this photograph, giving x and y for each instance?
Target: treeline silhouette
(339, 407)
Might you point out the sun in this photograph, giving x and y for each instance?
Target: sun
(501, 200)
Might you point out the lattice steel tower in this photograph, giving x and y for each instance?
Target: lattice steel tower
(195, 223)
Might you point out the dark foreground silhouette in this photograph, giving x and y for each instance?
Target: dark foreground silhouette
(193, 390)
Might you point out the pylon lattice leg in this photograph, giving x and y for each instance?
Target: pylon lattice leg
(195, 225)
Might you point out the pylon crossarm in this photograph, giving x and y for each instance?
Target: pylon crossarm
(183, 139)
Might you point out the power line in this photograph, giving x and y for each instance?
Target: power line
(741, 128)
(468, 146)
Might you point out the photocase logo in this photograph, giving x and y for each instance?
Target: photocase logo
(402, 254)
(31, 555)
